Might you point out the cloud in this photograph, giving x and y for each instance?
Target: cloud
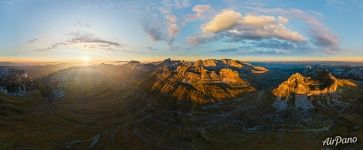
(87, 40)
(321, 36)
(32, 40)
(164, 23)
(251, 26)
(232, 26)
(153, 32)
(276, 44)
(152, 26)
(152, 48)
(199, 11)
(223, 21)
(246, 50)
(267, 46)
(202, 38)
(53, 46)
(160, 23)
(173, 27)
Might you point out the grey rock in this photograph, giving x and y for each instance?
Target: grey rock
(302, 102)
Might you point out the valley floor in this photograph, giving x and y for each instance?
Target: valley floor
(86, 122)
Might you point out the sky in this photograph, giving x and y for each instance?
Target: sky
(151, 30)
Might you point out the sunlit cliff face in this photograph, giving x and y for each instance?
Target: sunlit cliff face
(299, 84)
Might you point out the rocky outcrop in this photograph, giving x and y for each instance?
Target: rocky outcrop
(315, 81)
(14, 82)
(204, 81)
(299, 84)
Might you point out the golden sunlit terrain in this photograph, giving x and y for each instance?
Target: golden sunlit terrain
(122, 107)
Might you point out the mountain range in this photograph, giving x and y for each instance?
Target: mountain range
(175, 104)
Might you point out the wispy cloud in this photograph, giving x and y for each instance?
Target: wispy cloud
(32, 40)
(245, 50)
(320, 34)
(87, 40)
(152, 48)
(153, 30)
(163, 23)
(52, 46)
(199, 11)
(267, 46)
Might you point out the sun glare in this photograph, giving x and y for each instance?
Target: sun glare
(85, 59)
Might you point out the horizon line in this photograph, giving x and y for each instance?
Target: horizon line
(32, 60)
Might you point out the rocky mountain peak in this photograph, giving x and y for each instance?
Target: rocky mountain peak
(315, 84)
(317, 72)
(313, 81)
(302, 88)
(204, 81)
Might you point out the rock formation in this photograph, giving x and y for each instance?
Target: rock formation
(204, 81)
(315, 81)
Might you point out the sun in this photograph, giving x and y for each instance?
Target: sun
(85, 59)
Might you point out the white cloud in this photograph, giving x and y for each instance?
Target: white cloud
(321, 36)
(223, 21)
(233, 25)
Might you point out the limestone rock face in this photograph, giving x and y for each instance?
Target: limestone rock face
(301, 88)
(315, 81)
(203, 81)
